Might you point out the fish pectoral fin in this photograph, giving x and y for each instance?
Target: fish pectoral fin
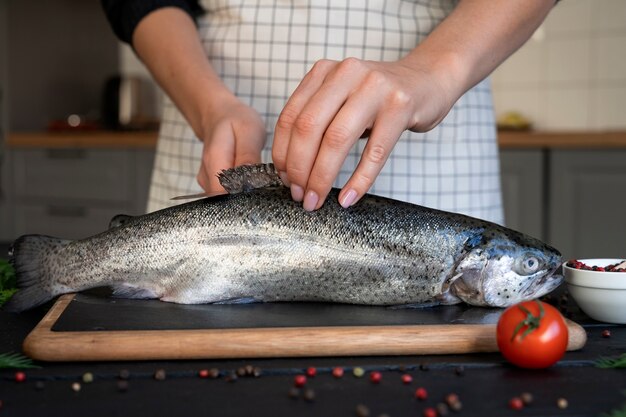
(427, 304)
(241, 300)
(132, 291)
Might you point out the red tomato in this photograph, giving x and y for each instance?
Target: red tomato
(532, 334)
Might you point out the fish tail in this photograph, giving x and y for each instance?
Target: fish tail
(28, 256)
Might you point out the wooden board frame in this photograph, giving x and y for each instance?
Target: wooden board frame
(47, 345)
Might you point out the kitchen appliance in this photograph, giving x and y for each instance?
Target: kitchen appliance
(129, 103)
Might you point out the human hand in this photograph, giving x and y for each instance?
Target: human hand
(235, 135)
(334, 105)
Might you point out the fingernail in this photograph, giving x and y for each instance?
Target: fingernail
(310, 201)
(283, 178)
(348, 199)
(297, 193)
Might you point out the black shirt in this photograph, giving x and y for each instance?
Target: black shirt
(125, 15)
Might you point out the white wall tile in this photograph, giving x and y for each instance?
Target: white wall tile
(609, 108)
(568, 60)
(608, 15)
(567, 109)
(570, 16)
(525, 67)
(610, 52)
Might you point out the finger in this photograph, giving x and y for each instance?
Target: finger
(249, 141)
(218, 154)
(315, 118)
(356, 115)
(300, 96)
(385, 133)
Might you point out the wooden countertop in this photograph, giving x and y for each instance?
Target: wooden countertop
(146, 140)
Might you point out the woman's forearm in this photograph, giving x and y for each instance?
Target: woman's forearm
(475, 38)
(167, 42)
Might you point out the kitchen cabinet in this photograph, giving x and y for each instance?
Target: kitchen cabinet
(587, 215)
(74, 192)
(523, 190)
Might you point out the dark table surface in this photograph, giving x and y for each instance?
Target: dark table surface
(484, 383)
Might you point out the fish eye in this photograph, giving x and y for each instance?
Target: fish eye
(530, 264)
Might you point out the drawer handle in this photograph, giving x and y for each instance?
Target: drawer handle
(62, 211)
(66, 153)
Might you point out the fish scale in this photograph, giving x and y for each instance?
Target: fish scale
(257, 244)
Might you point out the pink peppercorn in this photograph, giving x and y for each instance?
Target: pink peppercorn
(311, 371)
(430, 412)
(20, 376)
(203, 373)
(337, 372)
(299, 380)
(516, 403)
(406, 379)
(421, 393)
(376, 377)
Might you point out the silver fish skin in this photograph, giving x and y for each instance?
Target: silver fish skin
(261, 246)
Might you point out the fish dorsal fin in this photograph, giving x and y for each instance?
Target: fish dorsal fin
(249, 177)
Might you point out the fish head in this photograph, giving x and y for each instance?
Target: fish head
(504, 268)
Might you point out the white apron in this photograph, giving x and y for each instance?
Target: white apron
(263, 48)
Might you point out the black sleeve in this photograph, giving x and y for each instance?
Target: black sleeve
(124, 15)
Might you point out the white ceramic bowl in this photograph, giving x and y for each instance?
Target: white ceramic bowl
(601, 295)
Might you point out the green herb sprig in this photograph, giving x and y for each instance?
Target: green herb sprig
(616, 362)
(8, 283)
(15, 360)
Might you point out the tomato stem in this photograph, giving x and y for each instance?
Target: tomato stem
(532, 322)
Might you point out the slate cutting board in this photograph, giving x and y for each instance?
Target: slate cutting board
(86, 327)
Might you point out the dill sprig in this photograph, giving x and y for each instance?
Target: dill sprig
(16, 360)
(615, 362)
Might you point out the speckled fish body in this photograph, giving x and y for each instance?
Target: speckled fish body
(260, 245)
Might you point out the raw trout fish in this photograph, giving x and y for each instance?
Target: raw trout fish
(256, 244)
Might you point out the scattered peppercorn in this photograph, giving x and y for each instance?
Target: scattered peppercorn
(299, 380)
(606, 333)
(424, 367)
(406, 379)
(231, 377)
(516, 403)
(456, 406)
(526, 397)
(375, 377)
(256, 372)
(124, 374)
(249, 370)
(241, 371)
(562, 403)
(452, 398)
(76, 387)
(442, 409)
(430, 412)
(309, 395)
(459, 370)
(421, 394)
(358, 372)
(20, 376)
(293, 392)
(160, 375)
(87, 377)
(362, 411)
(214, 373)
(311, 371)
(122, 385)
(337, 372)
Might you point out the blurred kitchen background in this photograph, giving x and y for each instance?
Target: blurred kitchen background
(78, 115)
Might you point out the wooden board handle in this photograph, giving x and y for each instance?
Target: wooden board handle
(44, 344)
